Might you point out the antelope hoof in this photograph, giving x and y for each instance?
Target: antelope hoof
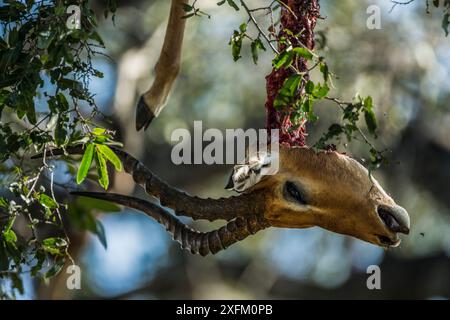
(143, 115)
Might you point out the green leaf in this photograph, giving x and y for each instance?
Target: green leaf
(85, 163)
(233, 5)
(54, 245)
(288, 91)
(60, 130)
(62, 102)
(321, 91)
(446, 23)
(110, 155)
(70, 84)
(254, 53)
(49, 242)
(52, 242)
(368, 103)
(307, 107)
(292, 84)
(335, 130)
(371, 121)
(98, 131)
(236, 45)
(325, 72)
(55, 269)
(283, 60)
(4, 203)
(255, 46)
(31, 113)
(102, 170)
(187, 7)
(10, 237)
(309, 87)
(4, 260)
(13, 37)
(101, 139)
(303, 52)
(10, 223)
(47, 202)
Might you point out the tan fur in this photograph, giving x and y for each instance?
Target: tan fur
(341, 196)
(168, 66)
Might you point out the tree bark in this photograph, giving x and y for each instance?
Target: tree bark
(300, 18)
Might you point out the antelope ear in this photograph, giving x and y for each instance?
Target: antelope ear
(245, 176)
(256, 168)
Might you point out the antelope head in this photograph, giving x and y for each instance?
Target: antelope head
(332, 191)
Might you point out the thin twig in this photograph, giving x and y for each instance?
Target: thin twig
(261, 32)
(341, 105)
(396, 3)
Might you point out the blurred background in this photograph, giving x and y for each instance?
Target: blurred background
(405, 66)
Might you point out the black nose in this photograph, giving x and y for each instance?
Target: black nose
(395, 218)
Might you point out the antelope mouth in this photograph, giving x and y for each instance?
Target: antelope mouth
(386, 241)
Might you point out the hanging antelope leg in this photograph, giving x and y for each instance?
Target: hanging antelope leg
(196, 242)
(182, 203)
(166, 70)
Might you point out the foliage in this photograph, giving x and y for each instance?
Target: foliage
(44, 82)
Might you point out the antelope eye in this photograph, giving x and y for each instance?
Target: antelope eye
(293, 192)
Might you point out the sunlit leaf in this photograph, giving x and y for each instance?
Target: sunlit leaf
(98, 131)
(54, 245)
(10, 236)
(110, 155)
(303, 52)
(85, 163)
(283, 60)
(102, 170)
(320, 91)
(47, 202)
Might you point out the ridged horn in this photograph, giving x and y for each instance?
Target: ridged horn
(196, 242)
(243, 205)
